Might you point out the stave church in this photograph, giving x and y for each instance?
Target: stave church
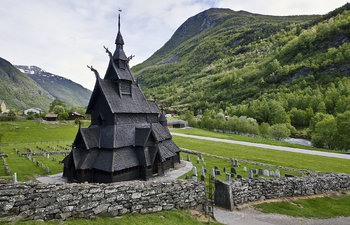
(128, 137)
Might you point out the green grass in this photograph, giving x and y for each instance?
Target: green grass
(275, 157)
(172, 217)
(34, 131)
(237, 137)
(26, 169)
(325, 207)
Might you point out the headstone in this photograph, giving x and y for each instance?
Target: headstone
(266, 173)
(194, 171)
(204, 164)
(255, 171)
(224, 169)
(232, 163)
(15, 177)
(194, 178)
(277, 173)
(251, 174)
(212, 173)
(233, 170)
(236, 163)
(245, 169)
(187, 177)
(202, 158)
(233, 175)
(47, 170)
(188, 157)
(261, 171)
(217, 172)
(239, 176)
(205, 170)
(216, 168)
(272, 174)
(37, 163)
(48, 156)
(202, 178)
(228, 177)
(198, 160)
(202, 171)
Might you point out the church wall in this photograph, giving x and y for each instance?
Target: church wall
(135, 118)
(127, 174)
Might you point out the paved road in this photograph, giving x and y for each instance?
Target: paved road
(249, 216)
(274, 147)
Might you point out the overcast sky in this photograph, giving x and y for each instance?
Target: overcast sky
(63, 36)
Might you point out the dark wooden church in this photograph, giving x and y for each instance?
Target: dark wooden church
(128, 137)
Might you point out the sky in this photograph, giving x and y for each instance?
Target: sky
(63, 36)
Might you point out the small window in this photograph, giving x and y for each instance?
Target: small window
(125, 88)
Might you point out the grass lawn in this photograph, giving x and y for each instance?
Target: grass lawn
(172, 217)
(33, 131)
(237, 137)
(325, 207)
(275, 157)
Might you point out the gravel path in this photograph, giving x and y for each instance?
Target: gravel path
(249, 216)
(172, 174)
(274, 147)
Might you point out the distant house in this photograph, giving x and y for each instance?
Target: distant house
(3, 107)
(74, 115)
(51, 117)
(177, 123)
(33, 110)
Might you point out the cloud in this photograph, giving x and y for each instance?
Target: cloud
(64, 36)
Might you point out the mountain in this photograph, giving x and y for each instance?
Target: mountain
(59, 87)
(20, 91)
(231, 61)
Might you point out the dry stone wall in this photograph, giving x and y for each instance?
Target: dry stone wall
(230, 194)
(49, 201)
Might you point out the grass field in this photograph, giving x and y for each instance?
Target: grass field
(237, 137)
(172, 217)
(275, 157)
(325, 207)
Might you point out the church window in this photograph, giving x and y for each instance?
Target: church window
(125, 87)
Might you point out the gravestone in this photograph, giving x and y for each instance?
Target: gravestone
(205, 170)
(250, 173)
(233, 170)
(217, 172)
(212, 173)
(239, 176)
(277, 173)
(255, 171)
(48, 156)
(224, 169)
(266, 173)
(202, 174)
(198, 160)
(194, 178)
(232, 163)
(15, 177)
(194, 171)
(233, 175)
(188, 157)
(228, 177)
(245, 169)
(236, 163)
(37, 163)
(216, 168)
(272, 174)
(187, 177)
(261, 171)
(47, 170)
(204, 164)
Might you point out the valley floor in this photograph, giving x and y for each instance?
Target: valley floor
(280, 148)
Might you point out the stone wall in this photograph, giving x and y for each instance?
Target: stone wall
(249, 190)
(49, 201)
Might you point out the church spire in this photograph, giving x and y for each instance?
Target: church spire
(119, 40)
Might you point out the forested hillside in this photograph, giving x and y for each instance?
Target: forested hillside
(19, 91)
(277, 70)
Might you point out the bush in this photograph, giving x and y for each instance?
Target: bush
(279, 131)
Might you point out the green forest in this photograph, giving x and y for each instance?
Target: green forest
(271, 76)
